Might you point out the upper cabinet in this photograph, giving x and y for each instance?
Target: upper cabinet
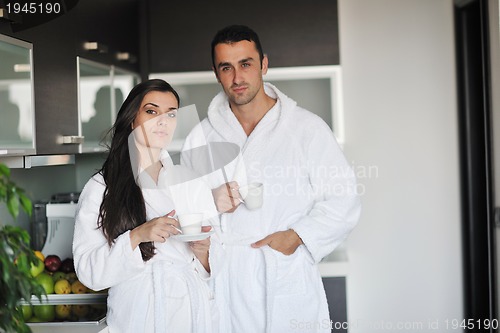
(17, 125)
(315, 88)
(101, 91)
(57, 42)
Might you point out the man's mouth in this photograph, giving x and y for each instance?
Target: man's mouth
(239, 89)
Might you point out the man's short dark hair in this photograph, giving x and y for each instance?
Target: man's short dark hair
(233, 34)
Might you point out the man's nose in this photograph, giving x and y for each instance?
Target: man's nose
(237, 79)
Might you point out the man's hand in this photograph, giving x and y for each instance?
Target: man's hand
(285, 242)
(227, 197)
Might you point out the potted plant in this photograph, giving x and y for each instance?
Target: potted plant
(16, 259)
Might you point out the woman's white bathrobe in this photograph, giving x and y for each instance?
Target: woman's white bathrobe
(308, 187)
(168, 293)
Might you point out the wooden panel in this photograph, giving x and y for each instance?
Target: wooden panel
(292, 33)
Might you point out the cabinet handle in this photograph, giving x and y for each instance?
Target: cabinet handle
(72, 139)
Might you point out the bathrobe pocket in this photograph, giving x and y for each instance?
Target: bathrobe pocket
(177, 305)
(290, 273)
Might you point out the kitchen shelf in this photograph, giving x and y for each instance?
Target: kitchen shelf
(55, 299)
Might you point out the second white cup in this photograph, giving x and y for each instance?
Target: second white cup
(191, 223)
(252, 195)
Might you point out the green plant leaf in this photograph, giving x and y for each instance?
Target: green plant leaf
(4, 170)
(16, 257)
(25, 203)
(13, 206)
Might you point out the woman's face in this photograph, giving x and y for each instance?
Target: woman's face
(156, 119)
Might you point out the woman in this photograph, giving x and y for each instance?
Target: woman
(125, 225)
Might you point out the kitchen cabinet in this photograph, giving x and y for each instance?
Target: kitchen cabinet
(316, 88)
(56, 45)
(17, 111)
(101, 91)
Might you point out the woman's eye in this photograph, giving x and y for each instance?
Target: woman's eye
(172, 114)
(150, 111)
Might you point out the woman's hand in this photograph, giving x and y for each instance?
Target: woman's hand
(155, 230)
(200, 249)
(227, 197)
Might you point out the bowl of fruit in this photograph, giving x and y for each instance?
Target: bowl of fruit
(67, 300)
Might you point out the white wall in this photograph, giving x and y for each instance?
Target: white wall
(401, 118)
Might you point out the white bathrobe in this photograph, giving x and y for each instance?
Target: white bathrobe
(168, 293)
(308, 187)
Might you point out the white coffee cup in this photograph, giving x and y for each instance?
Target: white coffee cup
(252, 194)
(191, 223)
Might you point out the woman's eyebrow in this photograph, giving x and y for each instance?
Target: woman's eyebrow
(151, 104)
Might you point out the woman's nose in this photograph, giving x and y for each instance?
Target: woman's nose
(162, 120)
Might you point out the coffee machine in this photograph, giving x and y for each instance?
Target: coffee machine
(53, 225)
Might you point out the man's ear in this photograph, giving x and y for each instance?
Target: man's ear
(265, 63)
(216, 75)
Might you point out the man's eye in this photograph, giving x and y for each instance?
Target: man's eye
(225, 69)
(245, 64)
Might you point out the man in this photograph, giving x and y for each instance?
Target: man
(266, 278)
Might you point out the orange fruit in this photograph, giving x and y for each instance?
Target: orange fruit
(39, 255)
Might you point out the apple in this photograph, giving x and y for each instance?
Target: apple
(27, 311)
(80, 310)
(58, 276)
(45, 279)
(78, 288)
(63, 311)
(52, 263)
(71, 277)
(62, 287)
(36, 269)
(67, 266)
(45, 312)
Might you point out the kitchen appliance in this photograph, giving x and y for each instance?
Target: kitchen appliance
(53, 225)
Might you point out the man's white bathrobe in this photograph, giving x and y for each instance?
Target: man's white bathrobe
(308, 187)
(168, 293)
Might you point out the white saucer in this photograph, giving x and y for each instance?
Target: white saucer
(194, 237)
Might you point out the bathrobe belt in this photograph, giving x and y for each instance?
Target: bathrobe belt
(162, 269)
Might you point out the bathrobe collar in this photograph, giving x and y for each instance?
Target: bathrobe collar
(228, 127)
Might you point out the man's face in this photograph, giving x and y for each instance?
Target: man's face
(239, 70)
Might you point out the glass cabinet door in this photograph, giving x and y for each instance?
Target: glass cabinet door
(101, 92)
(95, 107)
(17, 124)
(123, 82)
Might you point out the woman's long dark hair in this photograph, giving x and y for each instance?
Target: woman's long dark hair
(123, 206)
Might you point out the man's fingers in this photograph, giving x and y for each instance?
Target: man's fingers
(262, 242)
(206, 228)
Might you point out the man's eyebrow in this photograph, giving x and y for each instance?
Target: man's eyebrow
(223, 64)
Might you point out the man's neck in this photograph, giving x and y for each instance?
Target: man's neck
(249, 115)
